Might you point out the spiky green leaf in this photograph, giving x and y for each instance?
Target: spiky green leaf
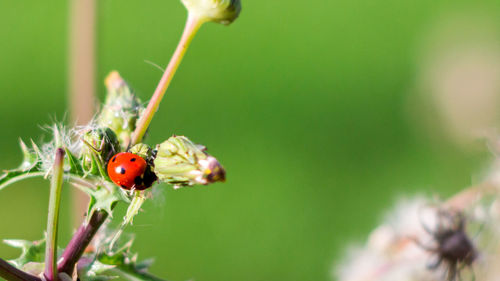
(113, 260)
(93, 270)
(104, 197)
(29, 168)
(31, 251)
(125, 264)
(10, 177)
(30, 157)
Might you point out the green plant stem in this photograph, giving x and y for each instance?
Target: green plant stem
(193, 24)
(53, 219)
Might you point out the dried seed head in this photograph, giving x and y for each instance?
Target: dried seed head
(121, 109)
(181, 162)
(424, 240)
(220, 11)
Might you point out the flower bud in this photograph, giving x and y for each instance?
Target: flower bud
(121, 109)
(221, 11)
(142, 150)
(100, 141)
(181, 162)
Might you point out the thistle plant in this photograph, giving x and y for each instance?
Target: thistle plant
(428, 239)
(108, 160)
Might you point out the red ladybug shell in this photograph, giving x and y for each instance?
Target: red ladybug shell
(126, 170)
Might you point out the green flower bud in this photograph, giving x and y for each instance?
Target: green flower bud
(101, 142)
(120, 110)
(221, 11)
(142, 150)
(181, 162)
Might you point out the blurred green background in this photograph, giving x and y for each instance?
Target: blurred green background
(306, 104)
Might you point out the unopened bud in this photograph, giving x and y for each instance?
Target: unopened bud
(100, 141)
(142, 150)
(181, 162)
(121, 109)
(221, 11)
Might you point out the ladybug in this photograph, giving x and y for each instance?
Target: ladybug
(127, 170)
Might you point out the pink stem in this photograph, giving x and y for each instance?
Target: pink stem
(192, 26)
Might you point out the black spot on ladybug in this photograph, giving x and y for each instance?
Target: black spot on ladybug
(133, 160)
(123, 186)
(122, 171)
(113, 160)
(138, 180)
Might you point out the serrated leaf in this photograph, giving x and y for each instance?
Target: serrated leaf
(30, 251)
(104, 198)
(125, 264)
(29, 168)
(36, 148)
(99, 268)
(10, 177)
(30, 158)
(119, 260)
(95, 271)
